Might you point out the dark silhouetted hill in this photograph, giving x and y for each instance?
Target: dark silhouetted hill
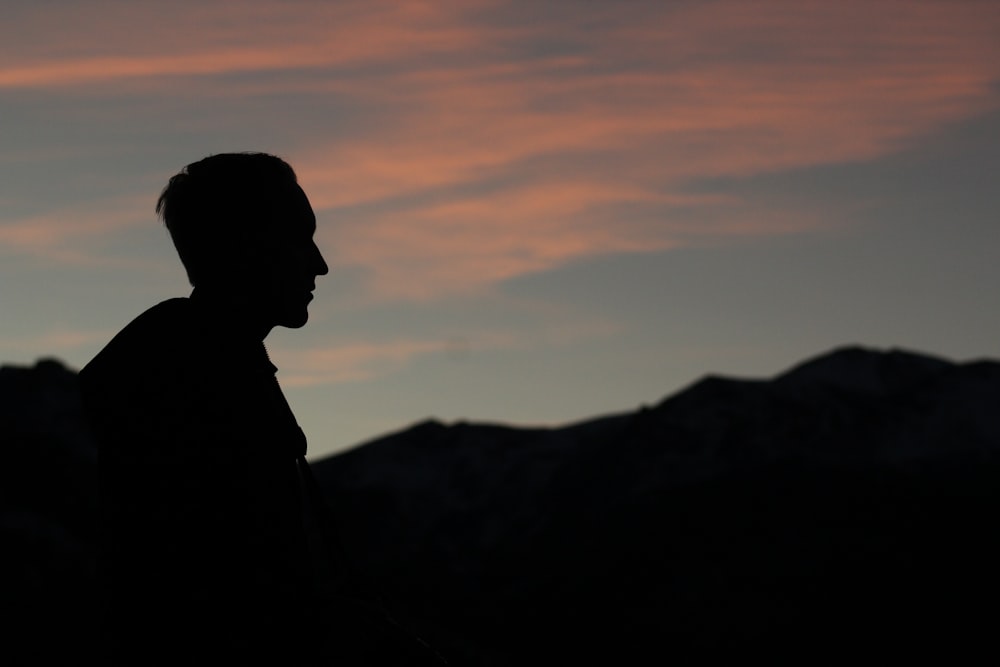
(843, 510)
(846, 508)
(48, 510)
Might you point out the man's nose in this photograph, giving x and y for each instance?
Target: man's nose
(319, 264)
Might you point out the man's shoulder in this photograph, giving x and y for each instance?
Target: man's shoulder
(166, 314)
(156, 338)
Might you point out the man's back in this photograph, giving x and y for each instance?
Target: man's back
(203, 547)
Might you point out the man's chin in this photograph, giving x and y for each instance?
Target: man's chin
(294, 320)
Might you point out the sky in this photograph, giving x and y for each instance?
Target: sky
(534, 212)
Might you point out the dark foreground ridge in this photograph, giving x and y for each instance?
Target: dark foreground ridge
(847, 507)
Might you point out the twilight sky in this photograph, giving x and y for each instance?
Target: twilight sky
(534, 212)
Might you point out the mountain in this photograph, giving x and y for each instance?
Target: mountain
(849, 503)
(845, 508)
(48, 508)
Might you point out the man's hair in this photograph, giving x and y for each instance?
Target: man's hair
(220, 203)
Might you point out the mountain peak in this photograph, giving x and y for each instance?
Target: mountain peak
(863, 370)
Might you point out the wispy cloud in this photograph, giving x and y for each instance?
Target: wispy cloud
(73, 235)
(58, 342)
(354, 360)
(350, 362)
(490, 170)
(359, 361)
(127, 41)
(490, 139)
(466, 243)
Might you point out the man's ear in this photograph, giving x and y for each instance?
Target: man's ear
(252, 252)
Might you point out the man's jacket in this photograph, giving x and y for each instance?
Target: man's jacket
(202, 540)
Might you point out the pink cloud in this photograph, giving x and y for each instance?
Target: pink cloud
(72, 235)
(135, 40)
(484, 159)
(359, 361)
(351, 362)
(54, 342)
(461, 245)
(550, 144)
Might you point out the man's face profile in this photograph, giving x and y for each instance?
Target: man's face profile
(287, 261)
(244, 231)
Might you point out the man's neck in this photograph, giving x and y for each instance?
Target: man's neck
(236, 311)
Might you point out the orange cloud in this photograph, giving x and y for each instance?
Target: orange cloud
(354, 361)
(488, 171)
(358, 361)
(463, 245)
(70, 235)
(60, 343)
(351, 362)
(137, 40)
(495, 139)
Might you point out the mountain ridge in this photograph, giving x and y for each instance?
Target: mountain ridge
(871, 448)
(847, 502)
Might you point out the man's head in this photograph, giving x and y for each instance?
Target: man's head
(244, 228)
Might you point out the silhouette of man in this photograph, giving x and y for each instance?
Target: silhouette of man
(205, 558)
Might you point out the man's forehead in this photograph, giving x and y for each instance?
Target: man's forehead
(289, 204)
